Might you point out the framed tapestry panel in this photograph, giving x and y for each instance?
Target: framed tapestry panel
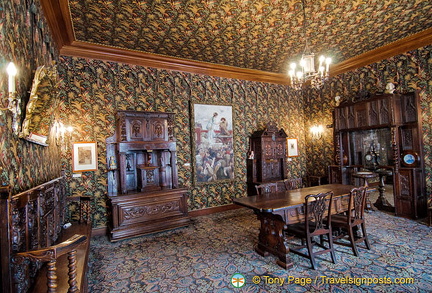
(212, 136)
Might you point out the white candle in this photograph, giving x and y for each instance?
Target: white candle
(321, 61)
(291, 73)
(328, 61)
(11, 83)
(11, 70)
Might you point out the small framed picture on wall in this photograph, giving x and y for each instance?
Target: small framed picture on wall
(292, 147)
(84, 156)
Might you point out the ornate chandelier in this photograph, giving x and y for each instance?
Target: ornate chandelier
(305, 72)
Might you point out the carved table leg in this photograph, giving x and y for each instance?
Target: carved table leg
(271, 239)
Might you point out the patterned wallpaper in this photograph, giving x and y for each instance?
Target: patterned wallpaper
(25, 41)
(259, 34)
(94, 90)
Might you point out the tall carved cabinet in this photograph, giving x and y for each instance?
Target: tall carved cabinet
(267, 160)
(142, 175)
(390, 127)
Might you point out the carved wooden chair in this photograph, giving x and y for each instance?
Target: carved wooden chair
(345, 225)
(313, 180)
(293, 183)
(266, 188)
(316, 224)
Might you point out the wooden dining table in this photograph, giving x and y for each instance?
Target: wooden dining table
(277, 210)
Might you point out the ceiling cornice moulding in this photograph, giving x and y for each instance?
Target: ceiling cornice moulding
(95, 51)
(58, 17)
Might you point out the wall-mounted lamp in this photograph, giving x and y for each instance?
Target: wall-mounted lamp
(317, 131)
(60, 131)
(14, 101)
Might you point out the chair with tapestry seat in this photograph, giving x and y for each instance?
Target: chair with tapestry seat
(316, 224)
(347, 225)
(293, 183)
(266, 188)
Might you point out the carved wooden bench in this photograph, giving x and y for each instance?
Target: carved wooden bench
(38, 252)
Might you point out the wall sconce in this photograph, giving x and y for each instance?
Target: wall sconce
(14, 102)
(61, 130)
(317, 131)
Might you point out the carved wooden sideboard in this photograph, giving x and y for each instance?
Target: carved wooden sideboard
(267, 158)
(142, 175)
(395, 119)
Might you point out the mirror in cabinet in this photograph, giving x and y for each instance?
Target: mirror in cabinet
(371, 148)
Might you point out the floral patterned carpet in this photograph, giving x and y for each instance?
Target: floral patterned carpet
(205, 256)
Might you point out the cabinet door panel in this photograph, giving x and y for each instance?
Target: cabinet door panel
(361, 115)
(341, 118)
(351, 117)
(272, 170)
(374, 113)
(280, 149)
(409, 108)
(384, 112)
(404, 196)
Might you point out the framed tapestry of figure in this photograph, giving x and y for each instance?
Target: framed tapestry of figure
(212, 137)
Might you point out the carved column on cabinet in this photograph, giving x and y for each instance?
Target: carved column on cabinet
(174, 169)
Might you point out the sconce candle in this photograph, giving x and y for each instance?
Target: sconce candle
(12, 71)
(317, 131)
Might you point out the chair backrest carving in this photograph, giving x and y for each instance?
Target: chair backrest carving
(293, 183)
(357, 203)
(318, 211)
(29, 220)
(266, 188)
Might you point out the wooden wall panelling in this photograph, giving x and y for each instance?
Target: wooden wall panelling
(399, 113)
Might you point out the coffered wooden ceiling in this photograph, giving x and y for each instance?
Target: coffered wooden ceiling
(256, 37)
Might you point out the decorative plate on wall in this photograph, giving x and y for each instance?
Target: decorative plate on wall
(410, 159)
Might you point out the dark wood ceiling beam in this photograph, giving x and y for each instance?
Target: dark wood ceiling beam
(401, 46)
(96, 51)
